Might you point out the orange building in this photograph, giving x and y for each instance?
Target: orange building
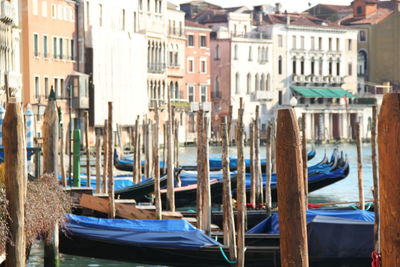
(197, 76)
(49, 53)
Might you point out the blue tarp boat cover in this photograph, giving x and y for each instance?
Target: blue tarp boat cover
(147, 233)
(332, 233)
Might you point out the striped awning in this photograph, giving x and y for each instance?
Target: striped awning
(322, 92)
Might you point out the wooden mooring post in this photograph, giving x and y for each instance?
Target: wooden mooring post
(200, 169)
(252, 167)
(305, 158)
(164, 147)
(268, 171)
(257, 165)
(50, 166)
(229, 222)
(110, 161)
(98, 163)
(241, 188)
(375, 178)
(138, 177)
(15, 182)
(156, 161)
(62, 162)
(86, 116)
(359, 166)
(136, 151)
(230, 124)
(105, 157)
(170, 152)
(206, 191)
(292, 212)
(389, 182)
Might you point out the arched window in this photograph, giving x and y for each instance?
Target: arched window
(280, 65)
(217, 52)
(236, 52)
(262, 82)
(177, 95)
(302, 66)
(248, 83)
(262, 54)
(362, 63)
(250, 53)
(268, 82)
(237, 83)
(216, 89)
(256, 83)
(312, 66)
(266, 54)
(172, 89)
(259, 54)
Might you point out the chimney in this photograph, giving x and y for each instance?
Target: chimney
(277, 8)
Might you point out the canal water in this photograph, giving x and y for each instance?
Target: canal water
(342, 191)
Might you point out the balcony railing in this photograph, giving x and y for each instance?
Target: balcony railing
(317, 79)
(205, 106)
(14, 79)
(252, 35)
(262, 95)
(175, 31)
(156, 68)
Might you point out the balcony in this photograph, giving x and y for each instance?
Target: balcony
(262, 95)
(175, 32)
(180, 104)
(253, 35)
(156, 103)
(14, 79)
(8, 13)
(329, 79)
(156, 68)
(205, 106)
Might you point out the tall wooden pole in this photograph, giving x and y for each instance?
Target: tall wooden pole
(252, 167)
(389, 182)
(241, 188)
(170, 170)
(200, 168)
(176, 143)
(50, 166)
(136, 151)
(156, 161)
(139, 157)
(268, 171)
(292, 212)
(305, 158)
(230, 124)
(86, 115)
(98, 163)
(164, 148)
(149, 148)
(206, 191)
(375, 179)
(110, 161)
(273, 145)
(105, 158)
(257, 165)
(62, 163)
(229, 223)
(359, 166)
(15, 182)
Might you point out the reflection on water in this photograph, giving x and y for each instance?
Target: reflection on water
(345, 190)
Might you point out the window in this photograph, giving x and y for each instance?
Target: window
(302, 66)
(280, 65)
(100, 15)
(123, 20)
(190, 40)
(320, 43)
(362, 36)
(262, 82)
(338, 68)
(217, 52)
(294, 41)
(294, 66)
(60, 11)
(191, 93)
(312, 43)
(203, 41)
(330, 44)
(250, 53)
(45, 49)
(248, 83)
(72, 49)
(134, 22)
(359, 10)
(337, 44)
(140, 4)
(216, 91)
(237, 85)
(35, 44)
(330, 67)
(349, 45)
(268, 82)
(62, 93)
(44, 9)
(53, 11)
(190, 65)
(280, 97)
(350, 70)
(203, 66)
(46, 87)
(37, 87)
(87, 20)
(312, 66)
(280, 40)
(66, 13)
(61, 54)
(35, 8)
(55, 55)
(235, 56)
(148, 5)
(302, 42)
(256, 82)
(320, 66)
(67, 49)
(56, 88)
(203, 93)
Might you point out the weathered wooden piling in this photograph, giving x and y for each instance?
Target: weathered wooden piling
(389, 182)
(268, 171)
(164, 147)
(15, 182)
(241, 188)
(156, 161)
(252, 167)
(86, 117)
(206, 191)
(136, 151)
(257, 165)
(105, 158)
(305, 158)
(98, 163)
(292, 212)
(62, 163)
(230, 124)
(273, 145)
(176, 143)
(50, 166)
(170, 170)
(375, 179)
(229, 222)
(110, 161)
(200, 168)
(359, 166)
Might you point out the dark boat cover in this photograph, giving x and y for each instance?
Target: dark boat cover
(332, 233)
(145, 233)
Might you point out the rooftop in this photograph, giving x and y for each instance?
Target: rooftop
(384, 9)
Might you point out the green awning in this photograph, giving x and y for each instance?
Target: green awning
(323, 92)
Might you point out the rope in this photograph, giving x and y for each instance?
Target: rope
(369, 206)
(225, 257)
(376, 259)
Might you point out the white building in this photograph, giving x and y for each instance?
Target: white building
(115, 53)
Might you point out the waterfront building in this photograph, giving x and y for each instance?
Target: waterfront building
(115, 51)
(197, 76)
(49, 52)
